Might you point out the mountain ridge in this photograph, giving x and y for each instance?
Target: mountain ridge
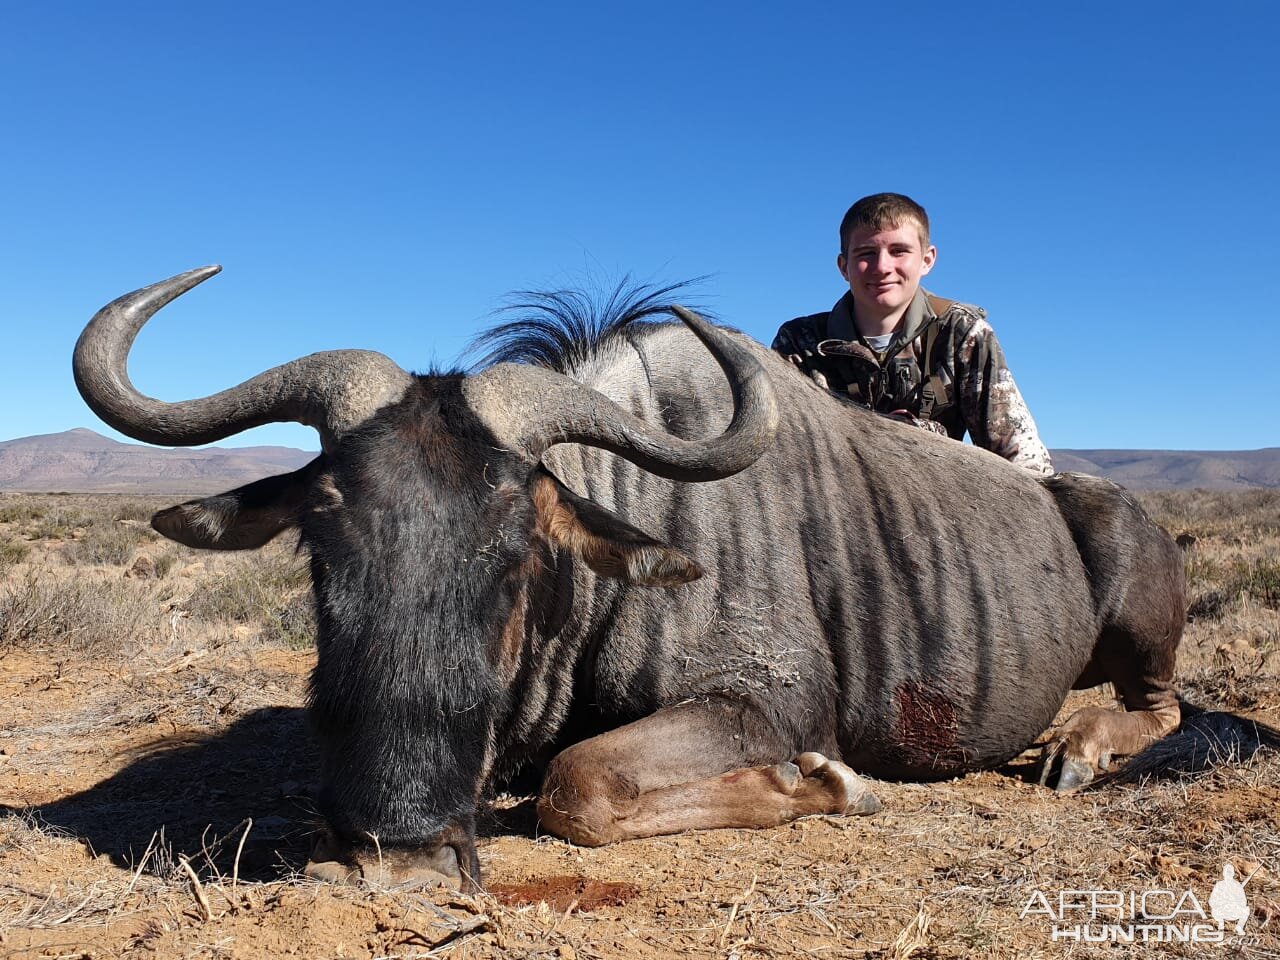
(84, 461)
(81, 460)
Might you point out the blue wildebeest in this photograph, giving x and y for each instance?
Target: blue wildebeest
(656, 562)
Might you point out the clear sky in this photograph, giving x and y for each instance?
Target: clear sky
(1102, 177)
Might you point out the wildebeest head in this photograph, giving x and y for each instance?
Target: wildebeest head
(426, 517)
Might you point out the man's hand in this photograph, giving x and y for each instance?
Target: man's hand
(905, 416)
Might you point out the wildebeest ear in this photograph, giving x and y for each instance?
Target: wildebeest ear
(241, 519)
(604, 541)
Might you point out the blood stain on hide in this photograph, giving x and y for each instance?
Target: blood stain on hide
(926, 727)
(561, 892)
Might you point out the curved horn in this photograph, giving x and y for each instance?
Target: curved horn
(332, 391)
(531, 409)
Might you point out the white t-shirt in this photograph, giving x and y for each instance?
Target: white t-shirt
(879, 343)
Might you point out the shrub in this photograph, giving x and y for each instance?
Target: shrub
(294, 624)
(78, 612)
(138, 510)
(1222, 513)
(13, 551)
(107, 544)
(20, 511)
(271, 590)
(59, 523)
(1260, 580)
(1255, 580)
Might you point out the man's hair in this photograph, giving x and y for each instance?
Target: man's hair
(883, 211)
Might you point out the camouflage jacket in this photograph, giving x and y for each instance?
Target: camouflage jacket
(947, 371)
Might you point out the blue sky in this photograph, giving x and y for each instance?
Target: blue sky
(1101, 177)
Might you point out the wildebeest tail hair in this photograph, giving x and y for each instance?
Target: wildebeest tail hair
(1205, 739)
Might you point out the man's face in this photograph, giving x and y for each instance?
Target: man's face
(884, 267)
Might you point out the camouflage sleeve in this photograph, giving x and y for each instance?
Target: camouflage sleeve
(797, 342)
(992, 406)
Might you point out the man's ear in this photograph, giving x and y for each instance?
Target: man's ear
(604, 541)
(930, 257)
(241, 519)
(842, 263)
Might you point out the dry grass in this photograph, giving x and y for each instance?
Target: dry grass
(271, 595)
(13, 552)
(85, 571)
(108, 544)
(108, 615)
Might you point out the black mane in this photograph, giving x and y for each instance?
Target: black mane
(563, 329)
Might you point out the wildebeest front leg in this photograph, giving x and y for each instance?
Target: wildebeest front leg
(689, 767)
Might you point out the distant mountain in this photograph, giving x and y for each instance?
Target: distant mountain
(1177, 469)
(81, 461)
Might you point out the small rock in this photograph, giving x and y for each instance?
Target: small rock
(566, 952)
(144, 568)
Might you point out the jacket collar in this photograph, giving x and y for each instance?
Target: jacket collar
(919, 316)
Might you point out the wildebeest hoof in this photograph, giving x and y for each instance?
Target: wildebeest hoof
(1075, 774)
(849, 793)
(1072, 774)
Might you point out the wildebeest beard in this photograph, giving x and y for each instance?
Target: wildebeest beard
(415, 548)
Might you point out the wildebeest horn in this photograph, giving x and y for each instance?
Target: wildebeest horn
(531, 409)
(332, 391)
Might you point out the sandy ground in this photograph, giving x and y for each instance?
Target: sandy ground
(157, 802)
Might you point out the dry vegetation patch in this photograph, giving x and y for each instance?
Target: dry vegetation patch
(158, 788)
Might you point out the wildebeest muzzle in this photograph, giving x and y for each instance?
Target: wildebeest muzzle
(450, 860)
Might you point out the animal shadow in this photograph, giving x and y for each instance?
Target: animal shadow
(193, 798)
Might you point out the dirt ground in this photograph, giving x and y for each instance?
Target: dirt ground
(157, 791)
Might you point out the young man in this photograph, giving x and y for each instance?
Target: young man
(894, 347)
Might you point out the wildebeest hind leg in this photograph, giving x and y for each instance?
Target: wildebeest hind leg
(1142, 676)
(688, 767)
